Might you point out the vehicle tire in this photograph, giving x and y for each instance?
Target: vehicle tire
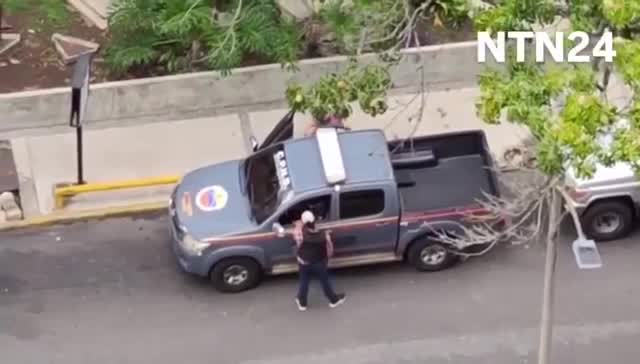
(430, 256)
(608, 220)
(232, 275)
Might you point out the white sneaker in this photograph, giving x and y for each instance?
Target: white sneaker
(341, 298)
(300, 306)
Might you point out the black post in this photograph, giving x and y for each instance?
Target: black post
(1, 25)
(79, 96)
(79, 154)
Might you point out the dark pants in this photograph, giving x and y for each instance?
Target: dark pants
(320, 271)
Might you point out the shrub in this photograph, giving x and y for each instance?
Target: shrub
(333, 94)
(183, 35)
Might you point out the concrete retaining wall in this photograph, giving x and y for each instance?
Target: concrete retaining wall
(206, 94)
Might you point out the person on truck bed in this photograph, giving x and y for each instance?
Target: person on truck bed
(331, 122)
(313, 250)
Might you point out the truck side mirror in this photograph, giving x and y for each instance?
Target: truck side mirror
(278, 229)
(254, 143)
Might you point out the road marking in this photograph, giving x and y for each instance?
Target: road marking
(521, 342)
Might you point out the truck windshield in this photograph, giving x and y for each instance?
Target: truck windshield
(263, 183)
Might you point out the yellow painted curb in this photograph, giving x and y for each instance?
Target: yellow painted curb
(71, 216)
(61, 193)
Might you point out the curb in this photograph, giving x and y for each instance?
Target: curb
(82, 215)
(103, 213)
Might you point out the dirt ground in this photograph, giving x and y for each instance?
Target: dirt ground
(35, 64)
(431, 34)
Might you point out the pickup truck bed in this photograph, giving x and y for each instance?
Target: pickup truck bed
(443, 171)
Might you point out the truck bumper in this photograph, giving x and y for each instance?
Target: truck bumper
(191, 264)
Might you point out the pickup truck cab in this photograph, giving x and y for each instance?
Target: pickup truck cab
(382, 201)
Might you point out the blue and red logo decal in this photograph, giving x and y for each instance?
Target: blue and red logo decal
(212, 198)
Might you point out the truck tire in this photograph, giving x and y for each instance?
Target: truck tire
(430, 256)
(608, 220)
(237, 274)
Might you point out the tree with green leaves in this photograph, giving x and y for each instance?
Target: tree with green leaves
(382, 27)
(569, 115)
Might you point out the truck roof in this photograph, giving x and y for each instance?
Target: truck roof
(365, 156)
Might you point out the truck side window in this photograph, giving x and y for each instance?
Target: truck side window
(320, 206)
(361, 203)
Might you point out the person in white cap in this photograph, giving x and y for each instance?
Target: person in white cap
(314, 248)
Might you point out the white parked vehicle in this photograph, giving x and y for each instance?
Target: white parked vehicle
(609, 202)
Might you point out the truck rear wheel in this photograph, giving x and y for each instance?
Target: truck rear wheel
(430, 256)
(608, 220)
(232, 275)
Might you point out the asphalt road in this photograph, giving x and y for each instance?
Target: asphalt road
(110, 292)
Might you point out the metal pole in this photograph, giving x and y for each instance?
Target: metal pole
(79, 97)
(546, 324)
(79, 153)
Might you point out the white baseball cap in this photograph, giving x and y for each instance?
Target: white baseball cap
(308, 217)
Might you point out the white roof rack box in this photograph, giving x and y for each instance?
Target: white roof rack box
(331, 155)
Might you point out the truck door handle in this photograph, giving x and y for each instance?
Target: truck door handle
(382, 224)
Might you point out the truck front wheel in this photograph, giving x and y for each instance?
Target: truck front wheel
(235, 274)
(608, 220)
(430, 256)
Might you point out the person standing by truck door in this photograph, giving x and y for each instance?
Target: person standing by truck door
(314, 248)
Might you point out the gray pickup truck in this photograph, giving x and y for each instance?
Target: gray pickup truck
(383, 201)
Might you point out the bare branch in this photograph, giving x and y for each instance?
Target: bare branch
(404, 30)
(523, 214)
(572, 210)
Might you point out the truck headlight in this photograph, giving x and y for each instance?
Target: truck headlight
(193, 246)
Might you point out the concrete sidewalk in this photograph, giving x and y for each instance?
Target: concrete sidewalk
(168, 148)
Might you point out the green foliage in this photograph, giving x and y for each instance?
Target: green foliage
(333, 93)
(562, 106)
(13, 6)
(377, 25)
(185, 34)
(451, 12)
(586, 15)
(515, 15)
(628, 61)
(621, 13)
(50, 13)
(349, 19)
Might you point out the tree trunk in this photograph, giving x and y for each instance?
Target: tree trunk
(546, 324)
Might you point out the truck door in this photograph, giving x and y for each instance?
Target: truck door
(281, 132)
(367, 222)
(281, 250)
